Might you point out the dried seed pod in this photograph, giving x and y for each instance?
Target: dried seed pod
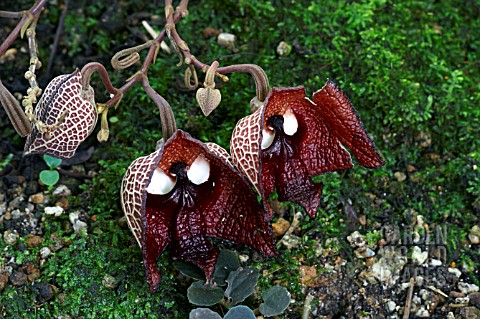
(184, 193)
(70, 115)
(290, 139)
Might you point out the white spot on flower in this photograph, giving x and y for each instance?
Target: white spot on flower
(161, 183)
(267, 138)
(199, 171)
(290, 123)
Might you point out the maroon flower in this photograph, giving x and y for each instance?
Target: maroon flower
(290, 139)
(69, 115)
(184, 193)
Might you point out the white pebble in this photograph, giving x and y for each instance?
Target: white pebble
(45, 252)
(435, 262)
(419, 257)
(455, 271)
(62, 190)
(467, 288)
(54, 210)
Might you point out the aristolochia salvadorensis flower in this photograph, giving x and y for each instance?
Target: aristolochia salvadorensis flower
(68, 115)
(291, 139)
(184, 194)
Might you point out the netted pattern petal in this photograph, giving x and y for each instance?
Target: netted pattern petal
(63, 93)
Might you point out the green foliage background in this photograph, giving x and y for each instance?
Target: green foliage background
(410, 69)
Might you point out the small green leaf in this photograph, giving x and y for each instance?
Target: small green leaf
(189, 269)
(241, 284)
(113, 119)
(204, 295)
(276, 300)
(203, 313)
(51, 161)
(240, 312)
(49, 178)
(227, 261)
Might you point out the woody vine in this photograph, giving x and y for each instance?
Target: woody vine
(187, 192)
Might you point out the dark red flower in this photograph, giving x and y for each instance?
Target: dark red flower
(290, 139)
(184, 193)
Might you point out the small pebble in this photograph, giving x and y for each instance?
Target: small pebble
(226, 40)
(391, 306)
(10, 237)
(284, 48)
(54, 210)
(109, 282)
(79, 227)
(456, 294)
(400, 177)
(469, 313)
(18, 278)
(422, 312)
(462, 300)
(474, 298)
(291, 241)
(419, 256)
(38, 198)
(33, 273)
(364, 252)
(3, 280)
(467, 288)
(475, 230)
(280, 227)
(61, 191)
(435, 262)
(455, 271)
(45, 252)
(356, 239)
(64, 203)
(33, 240)
(44, 291)
(474, 239)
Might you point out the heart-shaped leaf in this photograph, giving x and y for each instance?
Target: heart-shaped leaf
(208, 99)
(51, 161)
(227, 261)
(275, 301)
(49, 178)
(241, 284)
(240, 312)
(203, 313)
(189, 269)
(204, 295)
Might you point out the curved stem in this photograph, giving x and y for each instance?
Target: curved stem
(166, 114)
(87, 71)
(35, 9)
(210, 76)
(261, 80)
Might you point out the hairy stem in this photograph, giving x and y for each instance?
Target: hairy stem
(89, 69)
(34, 10)
(166, 114)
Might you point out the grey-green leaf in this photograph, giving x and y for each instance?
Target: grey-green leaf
(275, 301)
(241, 284)
(189, 269)
(240, 312)
(227, 261)
(51, 161)
(49, 178)
(204, 295)
(203, 313)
